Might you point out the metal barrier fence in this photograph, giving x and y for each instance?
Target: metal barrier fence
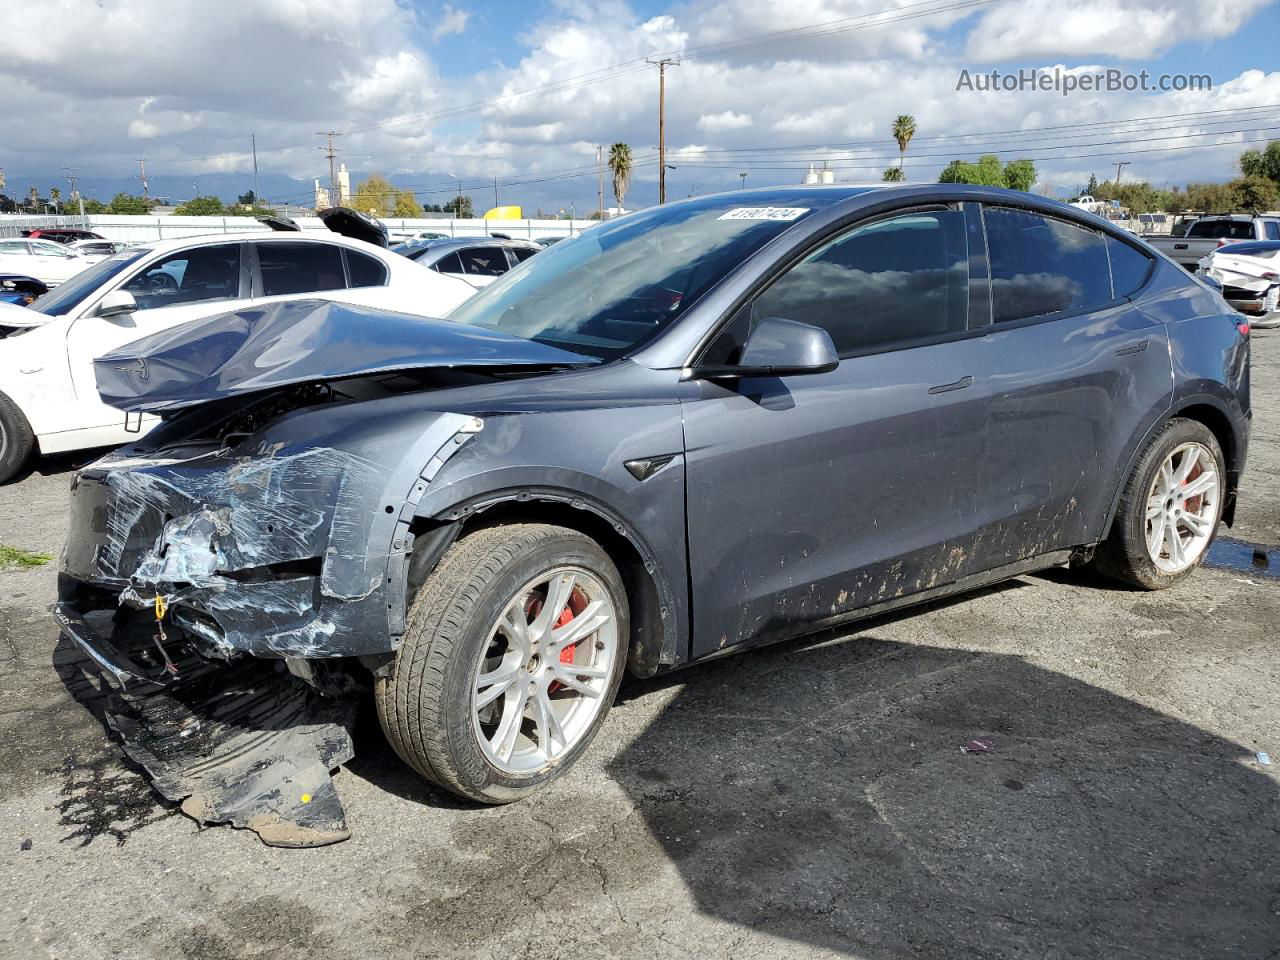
(146, 229)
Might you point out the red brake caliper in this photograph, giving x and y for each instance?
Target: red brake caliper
(534, 607)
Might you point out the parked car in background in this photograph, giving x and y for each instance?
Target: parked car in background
(699, 428)
(410, 236)
(1249, 273)
(50, 263)
(61, 234)
(97, 248)
(1206, 234)
(48, 398)
(477, 260)
(20, 290)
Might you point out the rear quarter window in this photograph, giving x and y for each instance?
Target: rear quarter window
(1129, 267)
(364, 270)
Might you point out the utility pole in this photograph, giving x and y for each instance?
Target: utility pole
(743, 176)
(600, 188)
(333, 173)
(662, 117)
(142, 164)
(71, 179)
(1120, 165)
(253, 139)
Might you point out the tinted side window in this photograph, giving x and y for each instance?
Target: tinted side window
(1272, 229)
(1128, 267)
(448, 264)
(484, 261)
(522, 253)
(365, 271)
(885, 283)
(289, 268)
(1041, 266)
(1222, 230)
(189, 276)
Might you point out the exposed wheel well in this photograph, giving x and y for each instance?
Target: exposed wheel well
(1220, 426)
(432, 537)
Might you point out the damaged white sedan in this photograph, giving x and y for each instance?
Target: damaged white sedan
(1250, 276)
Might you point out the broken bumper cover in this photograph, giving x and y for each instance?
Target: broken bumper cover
(287, 552)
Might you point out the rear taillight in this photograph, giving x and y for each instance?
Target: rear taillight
(1243, 327)
(1222, 243)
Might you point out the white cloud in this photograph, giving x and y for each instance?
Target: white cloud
(724, 120)
(451, 21)
(1129, 29)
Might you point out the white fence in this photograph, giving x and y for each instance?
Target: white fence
(147, 229)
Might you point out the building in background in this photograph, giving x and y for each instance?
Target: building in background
(825, 175)
(344, 186)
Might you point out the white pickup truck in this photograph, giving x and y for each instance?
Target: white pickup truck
(1208, 233)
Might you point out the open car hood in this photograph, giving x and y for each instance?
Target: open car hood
(352, 223)
(299, 341)
(280, 223)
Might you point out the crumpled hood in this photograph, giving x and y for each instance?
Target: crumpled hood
(294, 342)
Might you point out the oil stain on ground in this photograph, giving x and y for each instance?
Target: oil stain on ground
(101, 798)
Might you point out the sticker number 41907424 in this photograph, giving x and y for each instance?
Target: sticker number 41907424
(764, 213)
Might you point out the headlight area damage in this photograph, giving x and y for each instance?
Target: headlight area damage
(218, 572)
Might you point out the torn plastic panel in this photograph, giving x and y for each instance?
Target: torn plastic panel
(247, 743)
(295, 342)
(276, 551)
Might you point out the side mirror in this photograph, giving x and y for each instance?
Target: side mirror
(778, 347)
(117, 303)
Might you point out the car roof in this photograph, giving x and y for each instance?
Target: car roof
(455, 243)
(259, 236)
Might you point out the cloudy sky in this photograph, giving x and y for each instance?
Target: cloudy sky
(439, 93)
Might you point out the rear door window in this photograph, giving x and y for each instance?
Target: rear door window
(293, 268)
(1271, 229)
(1041, 266)
(484, 261)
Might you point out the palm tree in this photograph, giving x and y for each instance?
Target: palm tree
(620, 166)
(55, 194)
(904, 128)
(893, 175)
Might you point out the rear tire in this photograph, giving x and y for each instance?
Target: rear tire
(17, 442)
(489, 698)
(1160, 535)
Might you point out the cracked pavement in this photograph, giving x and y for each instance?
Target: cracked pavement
(806, 800)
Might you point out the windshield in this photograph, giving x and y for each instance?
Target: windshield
(615, 286)
(69, 294)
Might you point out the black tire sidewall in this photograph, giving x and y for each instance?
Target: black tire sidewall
(17, 442)
(472, 767)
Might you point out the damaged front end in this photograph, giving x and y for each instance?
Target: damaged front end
(222, 572)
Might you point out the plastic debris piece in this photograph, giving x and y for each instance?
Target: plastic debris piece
(1264, 758)
(26, 844)
(978, 745)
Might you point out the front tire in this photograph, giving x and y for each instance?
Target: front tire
(1169, 509)
(513, 653)
(17, 441)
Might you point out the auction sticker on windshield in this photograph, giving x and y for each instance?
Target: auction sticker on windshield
(764, 213)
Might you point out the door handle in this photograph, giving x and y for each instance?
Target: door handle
(1131, 350)
(1179, 246)
(948, 387)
